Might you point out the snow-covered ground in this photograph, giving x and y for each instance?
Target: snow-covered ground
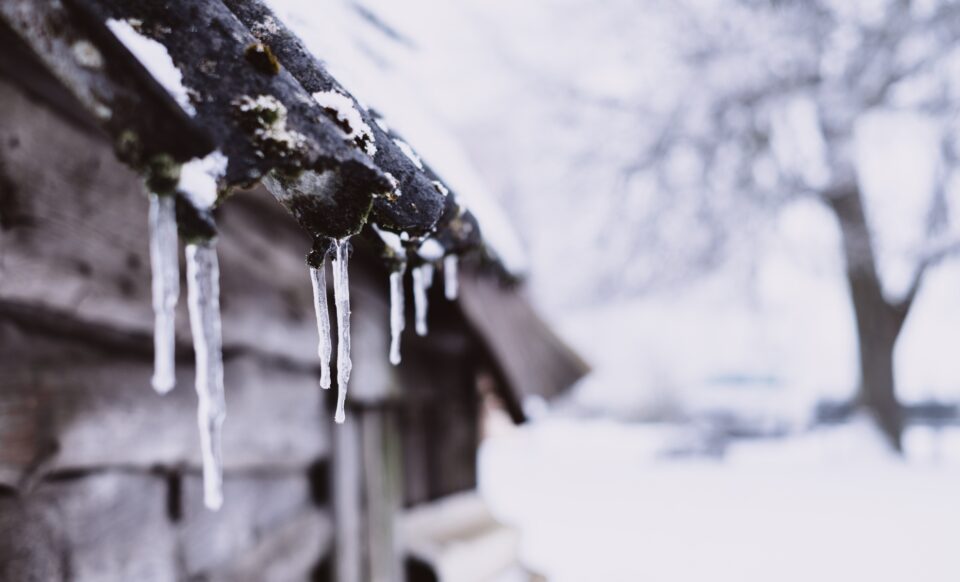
(597, 500)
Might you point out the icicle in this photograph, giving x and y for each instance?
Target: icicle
(165, 268)
(203, 297)
(341, 296)
(450, 289)
(420, 286)
(427, 275)
(397, 322)
(318, 278)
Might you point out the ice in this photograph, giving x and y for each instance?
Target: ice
(428, 271)
(450, 289)
(318, 278)
(165, 268)
(421, 283)
(397, 322)
(341, 296)
(203, 299)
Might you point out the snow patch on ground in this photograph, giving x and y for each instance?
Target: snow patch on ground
(596, 500)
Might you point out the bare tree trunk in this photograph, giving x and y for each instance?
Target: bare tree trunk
(877, 329)
(879, 321)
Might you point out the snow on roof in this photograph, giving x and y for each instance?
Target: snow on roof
(199, 176)
(155, 58)
(353, 51)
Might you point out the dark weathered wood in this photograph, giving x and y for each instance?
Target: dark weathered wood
(367, 486)
(232, 76)
(420, 206)
(533, 360)
(347, 486)
(255, 506)
(380, 456)
(83, 227)
(114, 88)
(31, 549)
(65, 406)
(114, 526)
(289, 552)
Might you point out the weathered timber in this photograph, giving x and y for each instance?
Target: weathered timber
(31, 548)
(257, 505)
(416, 203)
(65, 406)
(260, 117)
(113, 526)
(532, 359)
(289, 552)
(83, 227)
(117, 92)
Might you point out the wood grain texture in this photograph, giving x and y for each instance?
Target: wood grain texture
(66, 406)
(73, 239)
(256, 506)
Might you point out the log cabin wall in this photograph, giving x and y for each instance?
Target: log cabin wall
(100, 476)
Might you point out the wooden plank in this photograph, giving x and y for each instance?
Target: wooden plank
(380, 456)
(255, 507)
(65, 406)
(347, 502)
(30, 548)
(288, 553)
(114, 526)
(532, 358)
(74, 241)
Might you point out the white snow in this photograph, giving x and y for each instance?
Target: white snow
(450, 281)
(392, 240)
(165, 271)
(87, 54)
(155, 58)
(408, 151)
(341, 296)
(420, 285)
(407, 92)
(199, 176)
(318, 281)
(397, 321)
(441, 188)
(348, 114)
(597, 500)
(203, 301)
(430, 250)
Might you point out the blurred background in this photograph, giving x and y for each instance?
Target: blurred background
(745, 216)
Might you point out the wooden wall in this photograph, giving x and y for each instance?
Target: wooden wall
(99, 476)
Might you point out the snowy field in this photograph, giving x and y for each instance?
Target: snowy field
(597, 500)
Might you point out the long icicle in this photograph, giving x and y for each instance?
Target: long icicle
(318, 278)
(341, 297)
(397, 322)
(203, 297)
(450, 288)
(165, 269)
(427, 275)
(420, 286)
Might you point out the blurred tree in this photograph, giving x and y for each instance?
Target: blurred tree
(778, 90)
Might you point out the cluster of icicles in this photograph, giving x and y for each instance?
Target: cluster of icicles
(203, 302)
